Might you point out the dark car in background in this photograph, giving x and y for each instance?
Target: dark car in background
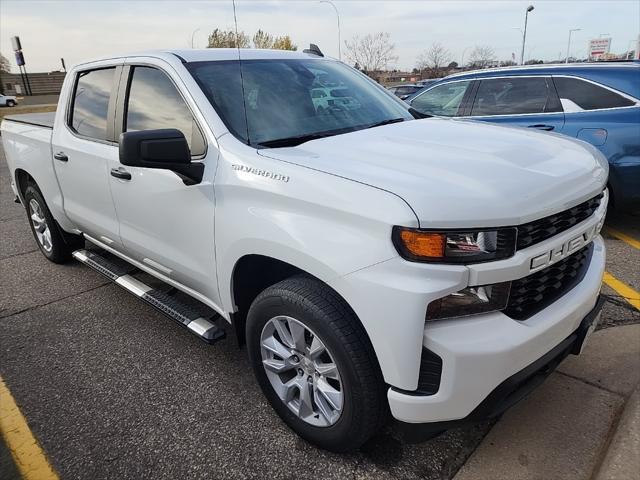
(598, 103)
(405, 91)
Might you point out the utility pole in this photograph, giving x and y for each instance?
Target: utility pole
(524, 35)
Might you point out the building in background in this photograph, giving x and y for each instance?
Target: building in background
(41, 83)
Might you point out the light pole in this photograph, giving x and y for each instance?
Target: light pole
(192, 34)
(338, 17)
(566, 60)
(524, 34)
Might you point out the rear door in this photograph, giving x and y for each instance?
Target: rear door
(83, 144)
(527, 101)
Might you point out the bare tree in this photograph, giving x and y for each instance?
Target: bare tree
(372, 52)
(228, 39)
(434, 58)
(5, 66)
(482, 56)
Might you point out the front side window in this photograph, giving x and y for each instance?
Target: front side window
(281, 105)
(513, 96)
(154, 102)
(443, 100)
(587, 96)
(91, 103)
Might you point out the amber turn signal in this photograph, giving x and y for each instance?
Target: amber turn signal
(423, 244)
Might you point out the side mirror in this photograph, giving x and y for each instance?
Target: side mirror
(164, 148)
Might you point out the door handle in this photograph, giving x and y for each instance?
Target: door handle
(540, 126)
(61, 156)
(120, 173)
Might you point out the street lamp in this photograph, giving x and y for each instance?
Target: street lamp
(192, 34)
(524, 35)
(338, 17)
(566, 60)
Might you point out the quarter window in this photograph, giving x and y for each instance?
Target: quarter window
(91, 103)
(154, 103)
(587, 95)
(514, 96)
(443, 100)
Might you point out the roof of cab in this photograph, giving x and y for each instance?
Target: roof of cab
(212, 54)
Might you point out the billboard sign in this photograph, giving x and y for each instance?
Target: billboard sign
(599, 47)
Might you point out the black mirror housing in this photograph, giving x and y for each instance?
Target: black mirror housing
(163, 148)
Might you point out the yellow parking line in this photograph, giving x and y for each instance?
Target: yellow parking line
(623, 236)
(628, 293)
(27, 454)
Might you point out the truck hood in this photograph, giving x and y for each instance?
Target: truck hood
(457, 173)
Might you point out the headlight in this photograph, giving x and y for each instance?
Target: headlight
(470, 301)
(464, 246)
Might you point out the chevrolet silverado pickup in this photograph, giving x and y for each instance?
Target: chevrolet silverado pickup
(380, 267)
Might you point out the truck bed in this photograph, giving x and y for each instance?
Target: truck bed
(38, 119)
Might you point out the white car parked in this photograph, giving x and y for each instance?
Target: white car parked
(8, 101)
(378, 266)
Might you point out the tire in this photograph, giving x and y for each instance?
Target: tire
(11, 103)
(54, 244)
(302, 300)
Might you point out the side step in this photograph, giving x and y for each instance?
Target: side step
(120, 272)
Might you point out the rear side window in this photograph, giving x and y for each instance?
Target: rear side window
(91, 103)
(587, 95)
(513, 96)
(154, 102)
(443, 100)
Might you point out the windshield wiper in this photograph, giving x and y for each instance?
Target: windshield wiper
(300, 139)
(385, 122)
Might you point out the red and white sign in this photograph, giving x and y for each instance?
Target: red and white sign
(599, 46)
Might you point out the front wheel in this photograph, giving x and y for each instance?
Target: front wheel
(11, 103)
(314, 363)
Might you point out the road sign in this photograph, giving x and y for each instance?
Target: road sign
(598, 47)
(15, 43)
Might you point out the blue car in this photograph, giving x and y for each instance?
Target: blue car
(597, 102)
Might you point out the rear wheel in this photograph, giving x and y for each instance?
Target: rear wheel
(314, 363)
(50, 239)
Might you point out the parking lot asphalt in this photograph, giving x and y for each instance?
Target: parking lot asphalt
(112, 389)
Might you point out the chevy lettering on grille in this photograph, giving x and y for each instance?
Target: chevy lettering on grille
(566, 249)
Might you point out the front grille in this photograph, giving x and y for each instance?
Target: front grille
(539, 230)
(535, 292)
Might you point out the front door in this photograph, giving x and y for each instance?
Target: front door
(164, 223)
(83, 146)
(523, 101)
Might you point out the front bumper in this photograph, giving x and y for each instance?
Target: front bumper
(514, 388)
(479, 353)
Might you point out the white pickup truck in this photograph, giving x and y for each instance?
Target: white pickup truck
(379, 267)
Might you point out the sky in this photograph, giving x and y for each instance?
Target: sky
(81, 30)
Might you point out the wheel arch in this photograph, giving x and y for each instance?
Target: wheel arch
(253, 273)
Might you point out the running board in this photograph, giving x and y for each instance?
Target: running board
(120, 273)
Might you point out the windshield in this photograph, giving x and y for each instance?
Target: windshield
(289, 102)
